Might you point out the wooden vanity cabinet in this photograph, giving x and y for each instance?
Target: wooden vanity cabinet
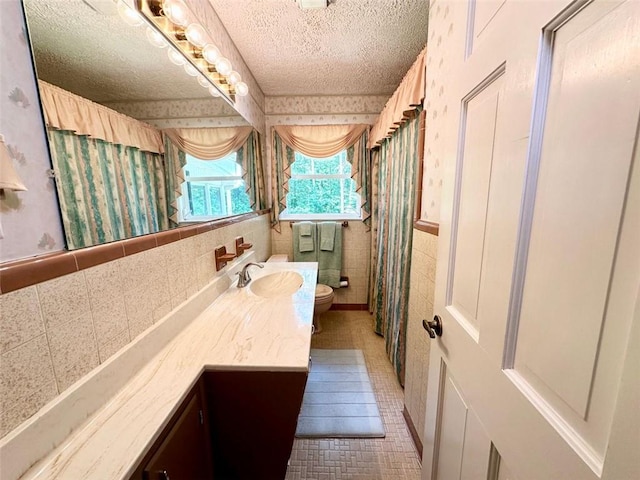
(253, 417)
(233, 425)
(183, 450)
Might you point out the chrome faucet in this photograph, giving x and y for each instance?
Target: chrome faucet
(243, 274)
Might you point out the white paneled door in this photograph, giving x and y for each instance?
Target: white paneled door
(537, 373)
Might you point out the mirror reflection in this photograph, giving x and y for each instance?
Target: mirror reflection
(137, 145)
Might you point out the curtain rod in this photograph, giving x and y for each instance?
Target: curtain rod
(345, 224)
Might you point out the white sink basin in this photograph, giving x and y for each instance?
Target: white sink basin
(277, 284)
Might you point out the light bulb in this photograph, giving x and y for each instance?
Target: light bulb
(213, 91)
(191, 70)
(211, 53)
(176, 11)
(196, 35)
(234, 77)
(223, 66)
(155, 38)
(203, 81)
(129, 15)
(242, 89)
(175, 57)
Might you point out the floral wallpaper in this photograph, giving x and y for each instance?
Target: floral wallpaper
(325, 104)
(440, 27)
(30, 221)
(195, 113)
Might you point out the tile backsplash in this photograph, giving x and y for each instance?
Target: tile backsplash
(356, 245)
(55, 332)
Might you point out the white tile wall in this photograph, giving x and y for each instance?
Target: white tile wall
(423, 272)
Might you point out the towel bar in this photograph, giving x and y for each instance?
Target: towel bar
(345, 224)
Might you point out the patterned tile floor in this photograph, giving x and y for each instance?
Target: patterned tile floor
(393, 457)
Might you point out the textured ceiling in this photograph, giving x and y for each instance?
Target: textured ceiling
(351, 47)
(96, 55)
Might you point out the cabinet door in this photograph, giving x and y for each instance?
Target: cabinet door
(185, 452)
(253, 417)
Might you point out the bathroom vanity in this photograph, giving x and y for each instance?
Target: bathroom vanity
(232, 425)
(220, 399)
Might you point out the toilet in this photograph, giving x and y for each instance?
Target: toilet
(323, 300)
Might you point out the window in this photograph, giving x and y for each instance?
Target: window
(213, 189)
(322, 187)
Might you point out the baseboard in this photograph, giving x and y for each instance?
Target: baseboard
(412, 431)
(349, 306)
(429, 227)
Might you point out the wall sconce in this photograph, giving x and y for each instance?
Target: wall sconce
(9, 178)
(169, 26)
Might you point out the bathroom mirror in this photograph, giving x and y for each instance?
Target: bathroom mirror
(86, 48)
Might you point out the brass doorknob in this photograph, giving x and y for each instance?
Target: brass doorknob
(433, 327)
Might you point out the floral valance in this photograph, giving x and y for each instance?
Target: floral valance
(66, 111)
(404, 100)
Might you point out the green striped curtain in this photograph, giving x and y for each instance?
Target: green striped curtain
(249, 156)
(396, 190)
(107, 191)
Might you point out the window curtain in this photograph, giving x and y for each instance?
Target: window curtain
(360, 159)
(107, 191)
(318, 141)
(249, 157)
(174, 161)
(67, 111)
(400, 107)
(395, 173)
(213, 144)
(283, 157)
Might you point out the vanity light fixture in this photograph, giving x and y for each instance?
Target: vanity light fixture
(211, 53)
(155, 38)
(191, 70)
(196, 35)
(234, 78)
(9, 178)
(170, 22)
(175, 57)
(176, 11)
(203, 81)
(242, 89)
(224, 66)
(129, 15)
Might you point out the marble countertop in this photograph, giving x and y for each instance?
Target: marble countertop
(239, 330)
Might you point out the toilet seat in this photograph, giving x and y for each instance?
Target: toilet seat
(323, 292)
